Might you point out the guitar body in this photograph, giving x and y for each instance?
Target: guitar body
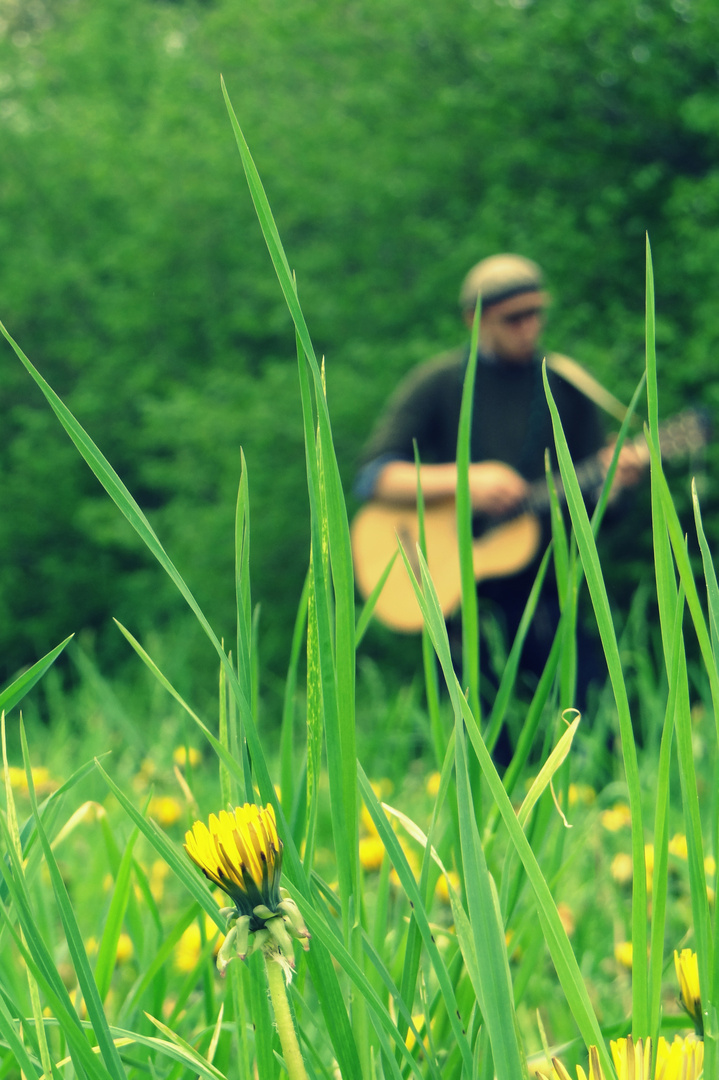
(378, 528)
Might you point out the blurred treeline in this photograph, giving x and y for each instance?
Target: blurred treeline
(399, 142)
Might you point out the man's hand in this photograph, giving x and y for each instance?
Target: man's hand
(630, 465)
(495, 488)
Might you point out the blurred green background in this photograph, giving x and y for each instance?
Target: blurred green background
(399, 142)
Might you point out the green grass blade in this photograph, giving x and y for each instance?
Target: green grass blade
(496, 1001)
(319, 928)
(470, 616)
(600, 602)
(559, 945)
(16, 691)
(75, 943)
(106, 957)
(410, 887)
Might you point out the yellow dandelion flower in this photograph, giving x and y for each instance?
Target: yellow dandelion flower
(581, 795)
(371, 852)
(687, 969)
(432, 786)
(125, 949)
(623, 953)
(441, 890)
(242, 854)
(632, 1060)
(617, 817)
(621, 868)
(166, 810)
(678, 846)
(710, 866)
(158, 873)
(182, 755)
(188, 948)
(682, 1059)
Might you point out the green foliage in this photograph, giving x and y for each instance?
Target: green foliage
(399, 143)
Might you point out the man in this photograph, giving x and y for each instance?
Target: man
(511, 427)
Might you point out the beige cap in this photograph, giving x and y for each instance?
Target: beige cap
(498, 278)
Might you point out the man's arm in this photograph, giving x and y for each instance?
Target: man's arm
(494, 487)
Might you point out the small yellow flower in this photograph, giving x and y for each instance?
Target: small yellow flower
(125, 949)
(623, 954)
(632, 1060)
(166, 810)
(682, 1059)
(42, 781)
(188, 948)
(158, 873)
(710, 866)
(242, 854)
(432, 785)
(678, 846)
(581, 794)
(621, 868)
(371, 852)
(687, 969)
(181, 755)
(441, 890)
(616, 818)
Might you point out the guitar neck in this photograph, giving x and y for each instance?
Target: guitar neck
(685, 433)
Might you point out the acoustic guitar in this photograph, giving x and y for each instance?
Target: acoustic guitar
(501, 546)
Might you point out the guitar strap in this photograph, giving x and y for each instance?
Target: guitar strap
(575, 374)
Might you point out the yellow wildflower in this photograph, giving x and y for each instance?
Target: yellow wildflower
(125, 949)
(682, 1059)
(432, 786)
(678, 846)
(166, 810)
(632, 1059)
(616, 818)
(621, 868)
(687, 969)
(242, 854)
(441, 890)
(181, 755)
(623, 953)
(371, 852)
(188, 948)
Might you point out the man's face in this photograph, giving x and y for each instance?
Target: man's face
(511, 329)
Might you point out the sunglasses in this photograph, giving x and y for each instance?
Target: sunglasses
(519, 316)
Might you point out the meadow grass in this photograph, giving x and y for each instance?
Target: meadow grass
(463, 923)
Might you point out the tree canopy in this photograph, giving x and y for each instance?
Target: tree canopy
(398, 143)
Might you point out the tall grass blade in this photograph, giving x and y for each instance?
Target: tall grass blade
(16, 691)
(600, 602)
(470, 617)
(558, 943)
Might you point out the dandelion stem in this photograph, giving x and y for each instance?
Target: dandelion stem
(283, 1019)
